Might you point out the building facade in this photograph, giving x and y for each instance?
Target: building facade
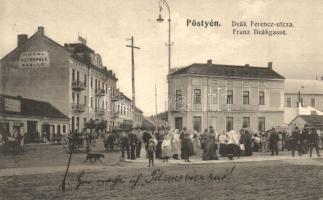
(30, 116)
(226, 97)
(307, 92)
(71, 77)
(124, 115)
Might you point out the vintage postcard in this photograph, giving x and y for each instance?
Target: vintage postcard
(161, 99)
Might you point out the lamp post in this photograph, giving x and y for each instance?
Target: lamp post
(163, 3)
(160, 19)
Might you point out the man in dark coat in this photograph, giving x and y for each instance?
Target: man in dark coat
(124, 142)
(145, 138)
(273, 142)
(133, 143)
(295, 141)
(314, 142)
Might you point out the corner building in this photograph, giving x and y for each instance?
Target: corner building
(227, 97)
(71, 77)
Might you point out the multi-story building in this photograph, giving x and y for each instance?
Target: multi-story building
(226, 97)
(124, 115)
(307, 92)
(71, 77)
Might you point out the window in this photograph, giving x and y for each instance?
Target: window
(73, 74)
(91, 82)
(313, 102)
(64, 128)
(261, 98)
(91, 102)
(78, 76)
(85, 80)
(85, 100)
(178, 99)
(96, 84)
(78, 98)
(58, 129)
(179, 123)
(197, 123)
(245, 97)
(229, 97)
(73, 96)
(78, 123)
(197, 96)
(288, 102)
(84, 121)
(261, 124)
(246, 122)
(99, 84)
(229, 123)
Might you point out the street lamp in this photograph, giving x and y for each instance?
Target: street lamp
(160, 19)
(169, 44)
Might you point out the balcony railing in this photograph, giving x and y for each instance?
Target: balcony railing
(99, 92)
(99, 111)
(78, 85)
(78, 108)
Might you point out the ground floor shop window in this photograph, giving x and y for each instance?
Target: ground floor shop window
(229, 123)
(246, 122)
(197, 123)
(261, 124)
(178, 123)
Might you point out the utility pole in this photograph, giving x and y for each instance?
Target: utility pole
(133, 75)
(156, 105)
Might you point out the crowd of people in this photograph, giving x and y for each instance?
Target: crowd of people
(177, 144)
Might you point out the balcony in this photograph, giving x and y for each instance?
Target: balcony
(99, 92)
(78, 108)
(78, 85)
(99, 111)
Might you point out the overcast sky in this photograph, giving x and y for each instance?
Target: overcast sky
(107, 23)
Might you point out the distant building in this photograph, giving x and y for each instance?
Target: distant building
(226, 97)
(307, 92)
(71, 77)
(124, 114)
(308, 121)
(28, 116)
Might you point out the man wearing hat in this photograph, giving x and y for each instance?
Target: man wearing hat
(314, 142)
(273, 142)
(295, 141)
(151, 151)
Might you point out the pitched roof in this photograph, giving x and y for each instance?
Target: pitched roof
(292, 86)
(228, 71)
(31, 108)
(312, 119)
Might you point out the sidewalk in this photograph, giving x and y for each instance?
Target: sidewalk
(257, 157)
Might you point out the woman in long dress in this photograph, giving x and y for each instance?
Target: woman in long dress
(209, 152)
(196, 143)
(166, 147)
(176, 144)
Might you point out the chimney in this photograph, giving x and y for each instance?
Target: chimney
(270, 65)
(41, 30)
(21, 39)
(209, 62)
(247, 65)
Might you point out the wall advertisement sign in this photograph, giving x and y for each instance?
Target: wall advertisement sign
(34, 59)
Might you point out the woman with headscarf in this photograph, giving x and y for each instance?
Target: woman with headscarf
(166, 147)
(233, 144)
(176, 144)
(223, 139)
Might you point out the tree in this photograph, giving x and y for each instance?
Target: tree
(90, 125)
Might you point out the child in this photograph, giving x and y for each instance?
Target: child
(151, 151)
